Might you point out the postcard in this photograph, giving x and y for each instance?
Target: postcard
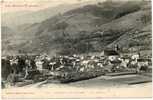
(76, 49)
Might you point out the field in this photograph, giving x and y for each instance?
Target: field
(100, 87)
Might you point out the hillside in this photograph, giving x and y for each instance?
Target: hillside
(20, 18)
(91, 28)
(8, 39)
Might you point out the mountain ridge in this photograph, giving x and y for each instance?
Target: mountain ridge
(91, 28)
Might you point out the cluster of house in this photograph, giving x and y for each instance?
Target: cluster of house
(108, 60)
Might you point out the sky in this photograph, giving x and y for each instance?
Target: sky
(20, 5)
(33, 5)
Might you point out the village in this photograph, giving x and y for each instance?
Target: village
(23, 70)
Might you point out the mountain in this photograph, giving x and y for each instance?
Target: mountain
(92, 28)
(8, 39)
(18, 18)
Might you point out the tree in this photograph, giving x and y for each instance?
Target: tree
(145, 19)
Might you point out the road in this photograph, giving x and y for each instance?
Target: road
(100, 87)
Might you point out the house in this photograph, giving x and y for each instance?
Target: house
(135, 56)
(126, 58)
(143, 62)
(110, 54)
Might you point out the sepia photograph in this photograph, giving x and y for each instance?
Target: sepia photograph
(76, 49)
